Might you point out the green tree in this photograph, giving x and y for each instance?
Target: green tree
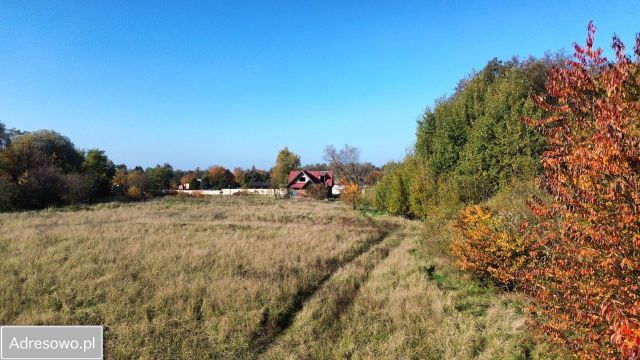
(99, 170)
(161, 178)
(38, 162)
(44, 148)
(398, 203)
(4, 137)
(421, 187)
(286, 161)
(472, 143)
(254, 177)
(392, 190)
(406, 189)
(500, 146)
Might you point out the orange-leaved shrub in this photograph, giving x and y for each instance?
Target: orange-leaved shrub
(586, 277)
(351, 193)
(487, 248)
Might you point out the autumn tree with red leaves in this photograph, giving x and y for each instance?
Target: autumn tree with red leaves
(586, 277)
(220, 177)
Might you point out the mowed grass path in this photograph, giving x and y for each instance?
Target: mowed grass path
(249, 277)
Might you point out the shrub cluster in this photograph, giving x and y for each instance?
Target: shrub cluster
(579, 257)
(487, 249)
(407, 189)
(318, 191)
(351, 193)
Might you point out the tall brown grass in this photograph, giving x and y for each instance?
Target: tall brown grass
(188, 278)
(249, 277)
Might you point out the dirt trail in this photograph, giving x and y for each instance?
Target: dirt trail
(334, 296)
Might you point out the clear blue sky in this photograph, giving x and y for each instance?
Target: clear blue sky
(232, 82)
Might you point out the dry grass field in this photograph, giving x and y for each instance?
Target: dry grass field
(252, 277)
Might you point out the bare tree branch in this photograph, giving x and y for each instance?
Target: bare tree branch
(346, 162)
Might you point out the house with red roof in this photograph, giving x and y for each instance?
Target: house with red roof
(300, 179)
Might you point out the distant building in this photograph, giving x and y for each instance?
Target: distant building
(300, 179)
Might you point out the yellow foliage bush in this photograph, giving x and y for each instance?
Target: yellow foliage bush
(134, 193)
(487, 248)
(351, 193)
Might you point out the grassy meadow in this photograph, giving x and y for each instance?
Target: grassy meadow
(253, 277)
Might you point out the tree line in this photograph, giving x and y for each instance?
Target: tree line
(44, 168)
(472, 143)
(570, 239)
